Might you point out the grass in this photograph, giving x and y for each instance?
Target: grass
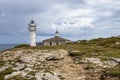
(112, 53)
(88, 49)
(107, 46)
(78, 53)
(5, 72)
(22, 45)
(18, 77)
(31, 73)
(113, 72)
(85, 48)
(2, 63)
(103, 58)
(90, 66)
(61, 77)
(93, 48)
(48, 71)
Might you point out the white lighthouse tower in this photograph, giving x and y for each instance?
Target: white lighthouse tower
(32, 28)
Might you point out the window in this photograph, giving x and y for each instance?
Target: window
(50, 43)
(57, 43)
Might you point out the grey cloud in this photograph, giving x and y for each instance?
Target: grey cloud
(15, 16)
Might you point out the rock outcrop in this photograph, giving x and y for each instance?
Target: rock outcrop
(35, 64)
(40, 65)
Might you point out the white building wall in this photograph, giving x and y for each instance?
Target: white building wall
(60, 43)
(46, 43)
(54, 43)
(32, 38)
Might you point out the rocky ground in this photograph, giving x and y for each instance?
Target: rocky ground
(35, 64)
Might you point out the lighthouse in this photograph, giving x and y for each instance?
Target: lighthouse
(32, 29)
(56, 33)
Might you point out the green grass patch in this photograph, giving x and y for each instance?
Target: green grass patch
(90, 66)
(114, 72)
(22, 45)
(74, 53)
(112, 53)
(2, 63)
(5, 72)
(18, 77)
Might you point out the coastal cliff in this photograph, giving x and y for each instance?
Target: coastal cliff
(54, 64)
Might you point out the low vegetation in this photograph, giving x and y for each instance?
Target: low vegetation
(22, 45)
(111, 72)
(18, 77)
(101, 49)
(5, 72)
(104, 48)
(109, 47)
(2, 63)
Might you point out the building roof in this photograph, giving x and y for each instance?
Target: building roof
(55, 39)
(118, 36)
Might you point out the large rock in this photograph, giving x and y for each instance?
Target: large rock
(21, 73)
(115, 59)
(92, 60)
(27, 59)
(97, 61)
(109, 64)
(19, 66)
(46, 76)
(11, 75)
(54, 57)
(3, 68)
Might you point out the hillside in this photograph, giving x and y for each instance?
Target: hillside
(96, 59)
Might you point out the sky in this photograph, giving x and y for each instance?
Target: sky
(74, 19)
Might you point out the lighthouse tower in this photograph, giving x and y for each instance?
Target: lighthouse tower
(56, 33)
(32, 29)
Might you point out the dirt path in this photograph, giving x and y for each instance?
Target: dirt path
(71, 69)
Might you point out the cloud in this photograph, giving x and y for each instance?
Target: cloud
(75, 19)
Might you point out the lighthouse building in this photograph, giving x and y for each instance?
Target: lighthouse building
(32, 30)
(56, 40)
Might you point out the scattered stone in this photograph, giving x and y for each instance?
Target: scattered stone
(52, 65)
(3, 68)
(115, 60)
(19, 66)
(92, 60)
(109, 64)
(53, 57)
(46, 76)
(81, 78)
(11, 75)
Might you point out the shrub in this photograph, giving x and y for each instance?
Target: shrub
(104, 59)
(17, 77)
(90, 66)
(2, 63)
(114, 72)
(22, 45)
(95, 41)
(5, 72)
(83, 42)
(76, 53)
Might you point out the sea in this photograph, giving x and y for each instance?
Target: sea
(7, 46)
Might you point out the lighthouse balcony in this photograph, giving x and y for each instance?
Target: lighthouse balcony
(32, 28)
